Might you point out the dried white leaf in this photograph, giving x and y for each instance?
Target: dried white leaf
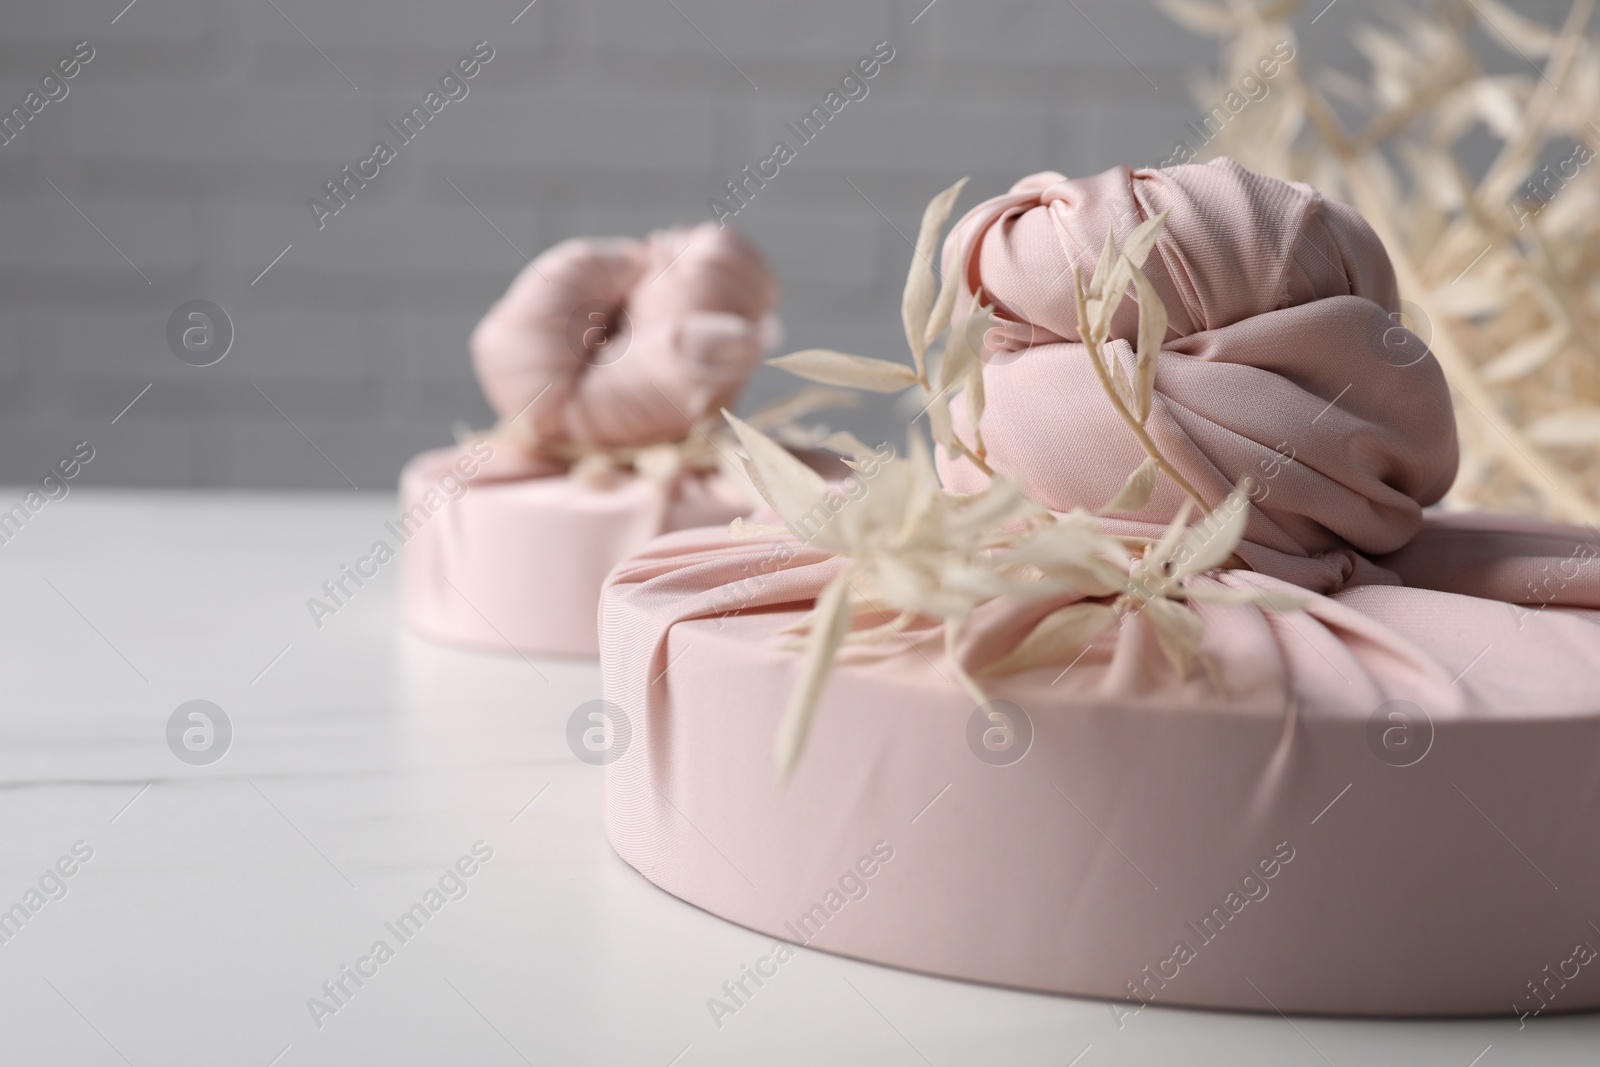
(908, 587)
(739, 473)
(740, 530)
(830, 622)
(1159, 555)
(1143, 238)
(1135, 492)
(976, 399)
(1272, 599)
(1152, 331)
(1001, 502)
(921, 492)
(1102, 269)
(1103, 307)
(949, 285)
(1109, 286)
(960, 353)
(939, 424)
(1179, 632)
(1072, 569)
(596, 469)
(916, 304)
(659, 463)
(788, 485)
(1526, 356)
(1058, 638)
(752, 477)
(847, 444)
(1210, 542)
(1480, 292)
(1575, 426)
(1499, 109)
(1117, 367)
(840, 368)
(893, 627)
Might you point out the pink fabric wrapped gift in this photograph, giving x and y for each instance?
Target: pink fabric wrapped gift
(599, 349)
(1385, 808)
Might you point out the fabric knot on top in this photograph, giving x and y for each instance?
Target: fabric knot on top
(1283, 361)
(635, 341)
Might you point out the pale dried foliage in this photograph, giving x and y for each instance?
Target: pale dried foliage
(1501, 267)
(919, 555)
(704, 449)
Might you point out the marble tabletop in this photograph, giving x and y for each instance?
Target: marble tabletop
(214, 889)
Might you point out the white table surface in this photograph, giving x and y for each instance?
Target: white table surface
(364, 762)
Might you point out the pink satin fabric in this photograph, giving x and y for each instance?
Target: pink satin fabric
(1142, 801)
(1429, 888)
(609, 342)
(516, 564)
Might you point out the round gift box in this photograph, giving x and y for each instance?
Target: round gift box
(1307, 852)
(520, 563)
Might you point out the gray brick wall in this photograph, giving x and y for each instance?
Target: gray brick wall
(194, 137)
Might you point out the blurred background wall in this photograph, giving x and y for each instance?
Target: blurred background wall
(180, 163)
